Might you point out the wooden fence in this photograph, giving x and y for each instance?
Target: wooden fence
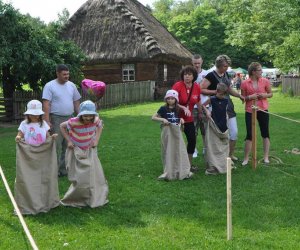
(291, 85)
(115, 94)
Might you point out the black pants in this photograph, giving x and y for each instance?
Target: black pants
(189, 130)
(263, 122)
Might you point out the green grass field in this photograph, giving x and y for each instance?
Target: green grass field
(144, 213)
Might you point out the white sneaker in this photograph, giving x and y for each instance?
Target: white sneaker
(195, 154)
(245, 163)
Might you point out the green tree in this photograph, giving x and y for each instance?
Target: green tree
(30, 50)
(269, 27)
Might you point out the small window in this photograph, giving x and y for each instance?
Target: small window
(128, 72)
(165, 72)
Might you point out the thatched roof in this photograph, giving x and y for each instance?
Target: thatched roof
(121, 30)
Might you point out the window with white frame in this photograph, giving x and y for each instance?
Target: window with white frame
(128, 72)
(165, 72)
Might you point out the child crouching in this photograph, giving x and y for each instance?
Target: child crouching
(89, 186)
(174, 155)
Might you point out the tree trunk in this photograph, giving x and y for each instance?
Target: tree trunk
(8, 91)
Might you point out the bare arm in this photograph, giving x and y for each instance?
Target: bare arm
(76, 106)
(97, 136)
(232, 92)
(158, 118)
(186, 111)
(64, 131)
(204, 87)
(46, 109)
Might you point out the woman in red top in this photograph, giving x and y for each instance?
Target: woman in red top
(257, 88)
(189, 95)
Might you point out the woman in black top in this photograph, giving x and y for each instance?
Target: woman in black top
(209, 87)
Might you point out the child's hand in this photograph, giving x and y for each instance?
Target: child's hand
(181, 121)
(165, 122)
(94, 144)
(208, 115)
(54, 136)
(70, 145)
(18, 138)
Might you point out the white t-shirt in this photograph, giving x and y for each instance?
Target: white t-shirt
(200, 77)
(34, 134)
(61, 97)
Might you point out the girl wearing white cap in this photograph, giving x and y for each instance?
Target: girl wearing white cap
(89, 186)
(174, 154)
(36, 186)
(33, 129)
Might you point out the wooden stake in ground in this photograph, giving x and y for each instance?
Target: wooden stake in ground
(229, 205)
(254, 141)
(34, 246)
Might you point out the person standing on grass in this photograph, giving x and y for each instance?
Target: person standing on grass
(209, 87)
(189, 95)
(256, 88)
(89, 186)
(60, 99)
(174, 155)
(217, 142)
(197, 62)
(36, 186)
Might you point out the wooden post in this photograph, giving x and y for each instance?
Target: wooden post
(31, 240)
(254, 141)
(229, 205)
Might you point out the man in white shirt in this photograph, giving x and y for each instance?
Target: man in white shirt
(60, 99)
(197, 62)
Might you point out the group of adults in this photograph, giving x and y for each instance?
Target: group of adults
(61, 99)
(195, 80)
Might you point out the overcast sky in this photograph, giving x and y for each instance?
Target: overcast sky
(48, 10)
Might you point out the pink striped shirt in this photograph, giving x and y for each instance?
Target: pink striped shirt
(82, 135)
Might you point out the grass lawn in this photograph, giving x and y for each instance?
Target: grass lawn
(144, 213)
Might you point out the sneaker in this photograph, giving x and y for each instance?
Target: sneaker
(195, 154)
(210, 172)
(244, 163)
(190, 174)
(194, 169)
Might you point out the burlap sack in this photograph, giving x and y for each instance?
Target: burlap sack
(89, 186)
(174, 155)
(36, 185)
(217, 147)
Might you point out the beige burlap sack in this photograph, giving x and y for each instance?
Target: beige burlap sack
(36, 185)
(217, 148)
(174, 155)
(89, 186)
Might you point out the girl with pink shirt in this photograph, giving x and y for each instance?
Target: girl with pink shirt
(256, 88)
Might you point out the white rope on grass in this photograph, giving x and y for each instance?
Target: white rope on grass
(286, 118)
(31, 240)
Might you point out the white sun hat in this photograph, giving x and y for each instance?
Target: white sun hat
(172, 93)
(87, 108)
(34, 107)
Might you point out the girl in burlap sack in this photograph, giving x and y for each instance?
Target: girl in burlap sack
(174, 155)
(89, 186)
(36, 187)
